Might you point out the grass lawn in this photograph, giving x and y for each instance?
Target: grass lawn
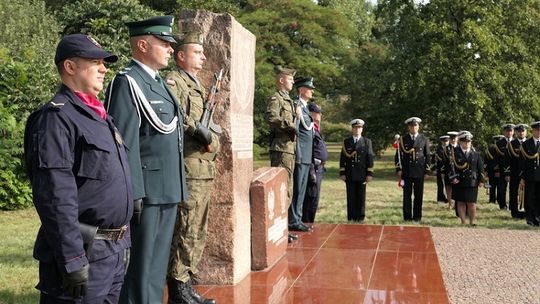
(18, 229)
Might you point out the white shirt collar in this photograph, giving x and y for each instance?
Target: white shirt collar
(148, 70)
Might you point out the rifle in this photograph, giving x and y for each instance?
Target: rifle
(210, 106)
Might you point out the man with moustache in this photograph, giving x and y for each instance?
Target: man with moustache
(151, 122)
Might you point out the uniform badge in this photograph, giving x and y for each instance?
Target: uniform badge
(118, 137)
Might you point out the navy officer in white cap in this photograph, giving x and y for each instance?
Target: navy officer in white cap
(356, 169)
(412, 166)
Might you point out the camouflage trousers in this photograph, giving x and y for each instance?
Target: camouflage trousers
(284, 160)
(189, 237)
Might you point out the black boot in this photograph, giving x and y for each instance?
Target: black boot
(179, 292)
(196, 296)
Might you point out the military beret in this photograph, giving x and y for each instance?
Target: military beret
(304, 82)
(313, 107)
(508, 127)
(194, 37)
(453, 134)
(497, 137)
(521, 127)
(465, 136)
(413, 120)
(535, 125)
(357, 122)
(285, 71)
(161, 27)
(83, 46)
(444, 137)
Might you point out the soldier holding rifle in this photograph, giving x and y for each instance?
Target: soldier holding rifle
(201, 145)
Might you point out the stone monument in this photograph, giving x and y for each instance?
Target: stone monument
(228, 45)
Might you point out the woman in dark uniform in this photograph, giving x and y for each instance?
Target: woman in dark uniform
(466, 166)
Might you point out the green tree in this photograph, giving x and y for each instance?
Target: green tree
(299, 34)
(28, 37)
(458, 64)
(105, 21)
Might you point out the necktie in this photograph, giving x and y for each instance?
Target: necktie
(537, 144)
(160, 81)
(413, 137)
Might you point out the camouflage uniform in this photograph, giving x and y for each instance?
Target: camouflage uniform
(189, 237)
(280, 113)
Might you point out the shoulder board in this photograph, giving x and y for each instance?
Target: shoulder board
(124, 71)
(55, 106)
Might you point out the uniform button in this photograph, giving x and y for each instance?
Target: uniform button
(144, 166)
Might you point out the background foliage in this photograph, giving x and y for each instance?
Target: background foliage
(457, 64)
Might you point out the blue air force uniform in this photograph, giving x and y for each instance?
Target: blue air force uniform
(79, 173)
(316, 174)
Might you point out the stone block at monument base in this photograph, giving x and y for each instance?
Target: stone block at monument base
(268, 195)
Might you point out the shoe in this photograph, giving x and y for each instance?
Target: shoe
(293, 236)
(310, 228)
(298, 228)
(179, 292)
(196, 296)
(290, 240)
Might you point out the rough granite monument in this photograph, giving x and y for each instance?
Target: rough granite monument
(228, 45)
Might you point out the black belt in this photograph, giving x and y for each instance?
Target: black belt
(111, 234)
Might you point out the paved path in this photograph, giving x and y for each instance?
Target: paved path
(489, 266)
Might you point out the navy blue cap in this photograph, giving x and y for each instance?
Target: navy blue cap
(521, 127)
(161, 27)
(508, 127)
(313, 107)
(535, 125)
(82, 46)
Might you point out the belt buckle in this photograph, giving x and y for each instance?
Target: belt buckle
(121, 233)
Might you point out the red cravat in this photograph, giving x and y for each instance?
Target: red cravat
(93, 103)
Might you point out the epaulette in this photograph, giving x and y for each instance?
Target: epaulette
(56, 106)
(124, 71)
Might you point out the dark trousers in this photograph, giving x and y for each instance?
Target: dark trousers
(105, 281)
(440, 188)
(416, 185)
(313, 194)
(151, 244)
(501, 193)
(301, 175)
(356, 201)
(513, 200)
(532, 202)
(493, 182)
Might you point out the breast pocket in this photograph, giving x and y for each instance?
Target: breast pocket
(95, 158)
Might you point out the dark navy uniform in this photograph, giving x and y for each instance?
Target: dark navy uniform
(356, 164)
(80, 175)
(512, 157)
(468, 170)
(440, 159)
(530, 173)
(413, 162)
(500, 148)
(490, 167)
(317, 169)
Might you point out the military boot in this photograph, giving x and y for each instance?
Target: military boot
(197, 297)
(179, 292)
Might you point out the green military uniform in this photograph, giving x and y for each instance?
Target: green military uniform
(150, 121)
(280, 113)
(191, 223)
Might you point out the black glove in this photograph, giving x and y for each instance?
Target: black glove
(137, 211)
(202, 134)
(75, 283)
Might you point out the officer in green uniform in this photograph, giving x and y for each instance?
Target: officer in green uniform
(280, 113)
(148, 116)
(200, 149)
